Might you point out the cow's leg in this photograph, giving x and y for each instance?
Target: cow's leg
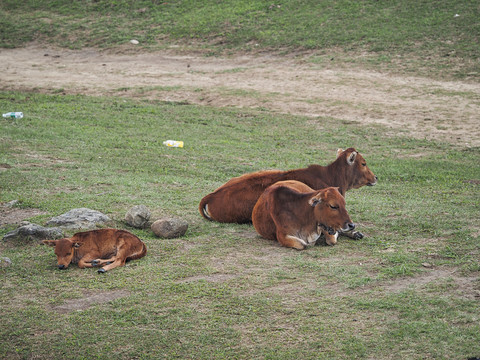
(118, 260)
(330, 239)
(101, 262)
(86, 262)
(356, 235)
(291, 241)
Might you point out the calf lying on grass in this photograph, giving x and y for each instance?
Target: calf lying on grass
(109, 248)
(297, 218)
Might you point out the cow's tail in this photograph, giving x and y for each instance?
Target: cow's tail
(203, 208)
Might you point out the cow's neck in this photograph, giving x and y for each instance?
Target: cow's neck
(319, 177)
(340, 174)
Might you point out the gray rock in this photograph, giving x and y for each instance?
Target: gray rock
(5, 262)
(138, 216)
(12, 203)
(81, 218)
(33, 232)
(169, 228)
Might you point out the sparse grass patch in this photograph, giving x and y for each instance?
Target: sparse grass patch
(437, 39)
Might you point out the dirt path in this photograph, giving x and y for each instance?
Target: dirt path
(424, 108)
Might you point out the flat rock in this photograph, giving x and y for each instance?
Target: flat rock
(34, 232)
(81, 218)
(169, 228)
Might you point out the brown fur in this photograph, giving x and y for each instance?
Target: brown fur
(108, 248)
(265, 222)
(234, 201)
(295, 217)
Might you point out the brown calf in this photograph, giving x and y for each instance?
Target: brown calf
(234, 201)
(105, 247)
(264, 221)
(295, 218)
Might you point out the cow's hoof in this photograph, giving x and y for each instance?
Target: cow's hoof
(357, 235)
(95, 262)
(101, 271)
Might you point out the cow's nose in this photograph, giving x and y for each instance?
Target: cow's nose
(376, 177)
(351, 226)
(61, 267)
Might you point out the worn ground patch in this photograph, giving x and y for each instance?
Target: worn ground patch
(414, 106)
(14, 215)
(89, 300)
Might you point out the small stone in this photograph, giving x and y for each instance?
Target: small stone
(169, 228)
(5, 262)
(12, 203)
(427, 265)
(138, 216)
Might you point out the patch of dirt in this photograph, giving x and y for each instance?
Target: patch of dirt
(465, 287)
(414, 106)
(13, 215)
(90, 300)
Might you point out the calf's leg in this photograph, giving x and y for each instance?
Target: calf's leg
(291, 241)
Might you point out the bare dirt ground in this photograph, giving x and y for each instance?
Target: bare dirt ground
(420, 107)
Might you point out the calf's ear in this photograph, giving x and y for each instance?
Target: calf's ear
(77, 244)
(351, 158)
(339, 152)
(315, 200)
(49, 242)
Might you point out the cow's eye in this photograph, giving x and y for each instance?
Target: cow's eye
(334, 207)
(364, 164)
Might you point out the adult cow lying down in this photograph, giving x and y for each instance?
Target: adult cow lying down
(296, 219)
(234, 201)
(108, 248)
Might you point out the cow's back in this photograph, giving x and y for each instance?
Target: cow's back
(105, 242)
(233, 202)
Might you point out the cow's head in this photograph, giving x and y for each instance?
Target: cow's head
(356, 167)
(330, 212)
(64, 249)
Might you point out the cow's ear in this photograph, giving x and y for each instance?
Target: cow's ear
(50, 242)
(351, 158)
(339, 152)
(314, 201)
(77, 244)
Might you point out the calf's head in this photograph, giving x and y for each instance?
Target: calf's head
(330, 212)
(356, 167)
(64, 249)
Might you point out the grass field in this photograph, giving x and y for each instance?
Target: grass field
(409, 290)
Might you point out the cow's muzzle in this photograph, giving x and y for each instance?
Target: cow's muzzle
(348, 227)
(373, 183)
(62, 267)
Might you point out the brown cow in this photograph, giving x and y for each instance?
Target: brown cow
(104, 247)
(233, 202)
(295, 218)
(264, 221)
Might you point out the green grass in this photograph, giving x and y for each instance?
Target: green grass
(221, 291)
(409, 290)
(412, 36)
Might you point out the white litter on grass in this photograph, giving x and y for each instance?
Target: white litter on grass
(134, 42)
